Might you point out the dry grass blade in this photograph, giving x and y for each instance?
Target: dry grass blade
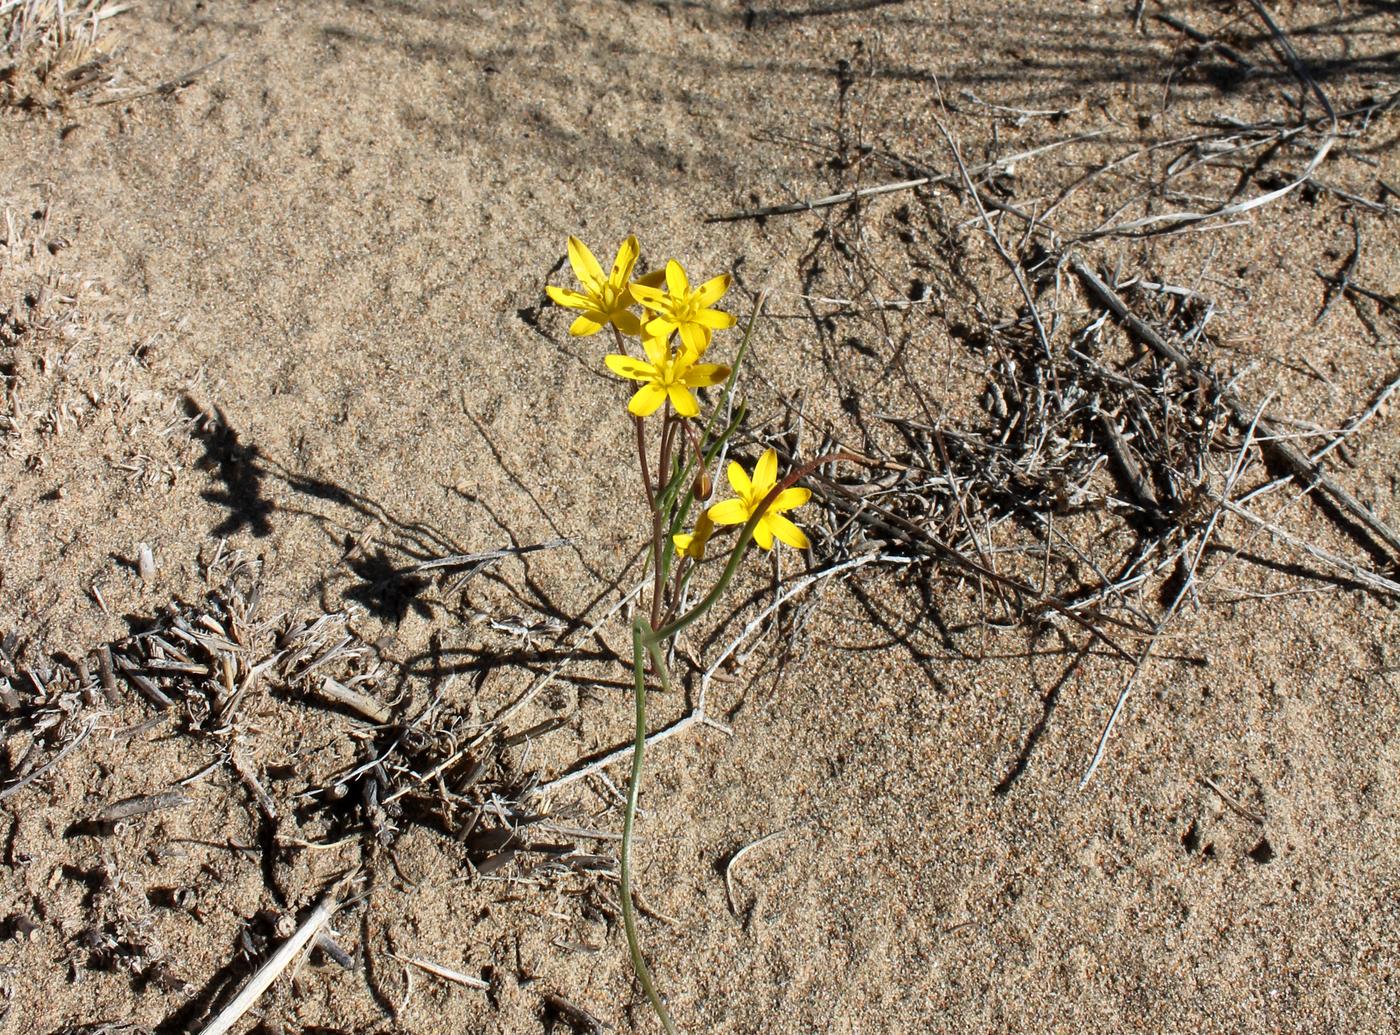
(49, 766)
(52, 52)
(734, 861)
(262, 980)
(167, 86)
(446, 973)
(1230, 800)
(1298, 464)
(890, 188)
(1370, 579)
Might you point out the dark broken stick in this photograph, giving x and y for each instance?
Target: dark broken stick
(109, 678)
(1226, 51)
(1272, 442)
(140, 805)
(904, 531)
(142, 682)
(575, 1014)
(889, 188)
(1124, 455)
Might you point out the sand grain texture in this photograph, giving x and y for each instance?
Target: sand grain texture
(296, 316)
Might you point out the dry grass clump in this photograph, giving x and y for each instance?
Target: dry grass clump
(52, 52)
(41, 336)
(1120, 461)
(336, 755)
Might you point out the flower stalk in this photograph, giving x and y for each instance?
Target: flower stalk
(675, 329)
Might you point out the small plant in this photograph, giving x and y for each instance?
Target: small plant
(677, 446)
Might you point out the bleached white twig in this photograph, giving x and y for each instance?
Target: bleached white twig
(1188, 585)
(698, 713)
(446, 973)
(534, 689)
(262, 980)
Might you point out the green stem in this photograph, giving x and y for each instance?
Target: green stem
(634, 787)
(680, 512)
(658, 636)
(660, 520)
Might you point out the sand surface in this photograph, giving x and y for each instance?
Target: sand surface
(283, 322)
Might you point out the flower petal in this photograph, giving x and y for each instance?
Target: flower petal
(627, 323)
(728, 512)
(790, 499)
(588, 323)
(712, 291)
(586, 267)
(654, 279)
(765, 473)
(714, 319)
(676, 282)
(646, 399)
(651, 297)
(703, 375)
(683, 401)
(622, 265)
(763, 534)
(632, 369)
(661, 327)
(569, 299)
(657, 350)
(695, 339)
(786, 531)
(693, 544)
(739, 479)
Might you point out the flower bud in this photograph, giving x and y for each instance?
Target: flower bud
(702, 487)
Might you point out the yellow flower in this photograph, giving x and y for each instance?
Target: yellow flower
(692, 544)
(654, 279)
(604, 300)
(681, 309)
(667, 376)
(751, 494)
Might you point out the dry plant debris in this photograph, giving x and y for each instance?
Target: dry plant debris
(1063, 430)
(206, 671)
(39, 325)
(54, 53)
(1106, 400)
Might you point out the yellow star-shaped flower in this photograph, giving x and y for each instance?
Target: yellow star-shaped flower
(750, 495)
(604, 299)
(692, 544)
(681, 309)
(667, 376)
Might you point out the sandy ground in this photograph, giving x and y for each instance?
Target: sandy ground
(290, 311)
